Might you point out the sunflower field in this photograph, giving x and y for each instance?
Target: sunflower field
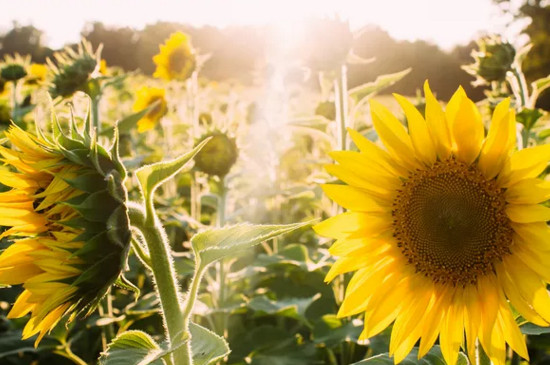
(170, 219)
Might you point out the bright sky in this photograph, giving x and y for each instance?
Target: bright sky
(445, 22)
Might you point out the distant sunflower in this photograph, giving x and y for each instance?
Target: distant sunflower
(67, 216)
(176, 60)
(444, 229)
(146, 97)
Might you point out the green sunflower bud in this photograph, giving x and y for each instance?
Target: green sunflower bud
(73, 70)
(218, 155)
(492, 61)
(70, 225)
(13, 72)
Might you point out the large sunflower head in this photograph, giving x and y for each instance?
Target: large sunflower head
(146, 97)
(66, 215)
(177, 59)
(444, 229)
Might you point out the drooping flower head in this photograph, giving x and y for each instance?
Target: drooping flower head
(444, 229)
(218, 155)
(146, 97)
(73, 69)
(177, 59)
(492, 61)
(66, 214)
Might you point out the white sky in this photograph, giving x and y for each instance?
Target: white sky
(444, 22)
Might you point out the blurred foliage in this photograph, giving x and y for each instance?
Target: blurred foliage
(537, 65)
(237, 51)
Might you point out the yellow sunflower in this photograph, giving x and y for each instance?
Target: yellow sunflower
(146, 97)
(37, 73)
(444, 230)
(176, 60)
(67, 217)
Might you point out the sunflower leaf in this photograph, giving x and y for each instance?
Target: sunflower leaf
(132, 348)
(361, 92)
(152, 176)
(433, 357)
(207, 347)
(215, 244)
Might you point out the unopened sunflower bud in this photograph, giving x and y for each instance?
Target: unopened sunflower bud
(73, 70)
(492, 61)
(218, 155)
(13, 72)
(66, 213)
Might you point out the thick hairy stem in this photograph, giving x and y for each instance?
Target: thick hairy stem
(166, 282)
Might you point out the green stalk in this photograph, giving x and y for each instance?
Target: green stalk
(167, 286)
(95, 114)
(221, 265)
(14, 109)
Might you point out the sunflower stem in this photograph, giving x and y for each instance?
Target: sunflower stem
(95, 114)
(341, 106)
(167, 285)
(14, 110)
(221, 265)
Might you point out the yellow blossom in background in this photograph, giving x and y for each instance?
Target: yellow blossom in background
(444, 230)
(147, 96)
(103, 67)
(176, 60)
(69, 224)
(37, 73)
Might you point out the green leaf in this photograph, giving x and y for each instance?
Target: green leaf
(433, 357)
(539, 86)
(533, 329)
(131, 348)
(215, 244)
(361, 92)
(207, 347)
(292, 307)
(331, 330)
(127, 124)
(528, 117)
(152, 176)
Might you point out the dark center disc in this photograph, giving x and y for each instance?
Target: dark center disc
(450, 222)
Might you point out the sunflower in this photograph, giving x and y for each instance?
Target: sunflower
(37, 74)
(444, 230)
(176, 60)
(146, 97)
(67, 217)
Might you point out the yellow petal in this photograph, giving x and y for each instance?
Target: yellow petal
(21, 306)
(511, 332)
(437, 124)
(526, 163)
(530, 286)
(468, 131)
(340, 226)
(358, 180)
(520, 304)
(452, 329)
(501, 139)
(527, 213)
(528, 191)
(352, 198)
(418, 129)
(533, 234)
(376, 154)
(393, 134)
